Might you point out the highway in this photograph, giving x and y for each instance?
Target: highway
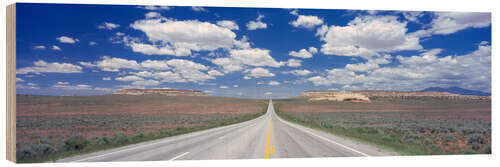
(267, 136)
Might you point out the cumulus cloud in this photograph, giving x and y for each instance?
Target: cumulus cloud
(67, 86)
(106, 78)
(155, 64)
(146, 83)
(129, 78)
(303, 53)
(180, 38)
(65, 39)
(92, 43)
(294, 63)
(257, 24)
(450, 22)
(470, 71)
(150, 15)
(238, 58)
(305, 21)
(259, 72)
(108, 26)
(113, 64)
(27, 86)
(228, 24)
(367, 36)
(223, 87)
(41, 66)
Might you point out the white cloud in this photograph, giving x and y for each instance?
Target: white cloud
(228, 24)
(41, 66)
(115, 64)
(235, 86)
(67, 86)
(108, 26)
(259, 72)
(215, 73)
(273, 83)
(92, 43)
(171, 37)
(40, 47)
(150, 15)
(153, 7)
(360, 67)
(298, 72)
(104, 89)
(450, 22)
(303, 53)
(268, 93)
(257, 24)
(19, 80)
(412, 16)
(260, 83)
(155, 64)
(55, 47)
(294, 63)
(223, 87)
(470, 71)
(309, 22)
(106, 78)
(129, 78)
(65, 39)
(27, 86)
(239, 58)
(146, 83)
(198, 9)
(367, 36)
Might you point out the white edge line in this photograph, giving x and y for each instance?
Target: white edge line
(174, 158)
(324, 138)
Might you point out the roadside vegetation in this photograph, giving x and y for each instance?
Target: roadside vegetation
(424, 127)
(66, 126)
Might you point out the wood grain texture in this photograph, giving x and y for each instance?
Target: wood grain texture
(11, 82)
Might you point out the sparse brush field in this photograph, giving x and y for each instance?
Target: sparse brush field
(410, 127)
(51, 127)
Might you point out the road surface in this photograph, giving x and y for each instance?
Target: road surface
(265, 137)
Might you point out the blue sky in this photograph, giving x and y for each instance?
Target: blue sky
(246, 52)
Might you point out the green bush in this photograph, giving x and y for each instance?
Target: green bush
(139, 136)
(449, 137)
(120, 138)
(476, 138)
(75, 142)
(104, 140)
(35, 150)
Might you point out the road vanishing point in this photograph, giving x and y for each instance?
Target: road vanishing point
(267, 136)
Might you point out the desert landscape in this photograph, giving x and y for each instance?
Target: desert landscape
(48, 124)
(411, 123)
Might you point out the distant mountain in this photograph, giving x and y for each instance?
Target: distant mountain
(457, 90)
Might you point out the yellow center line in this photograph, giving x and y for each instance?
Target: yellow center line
(268, 147)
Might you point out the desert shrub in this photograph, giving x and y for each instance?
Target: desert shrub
(475, 146)
(139, 136)
(121, 138)
(104, 140)
(75, 142)
(476, 138)
(34, 150)
(448, 137)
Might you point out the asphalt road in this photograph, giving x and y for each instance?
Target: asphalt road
(265, 137)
